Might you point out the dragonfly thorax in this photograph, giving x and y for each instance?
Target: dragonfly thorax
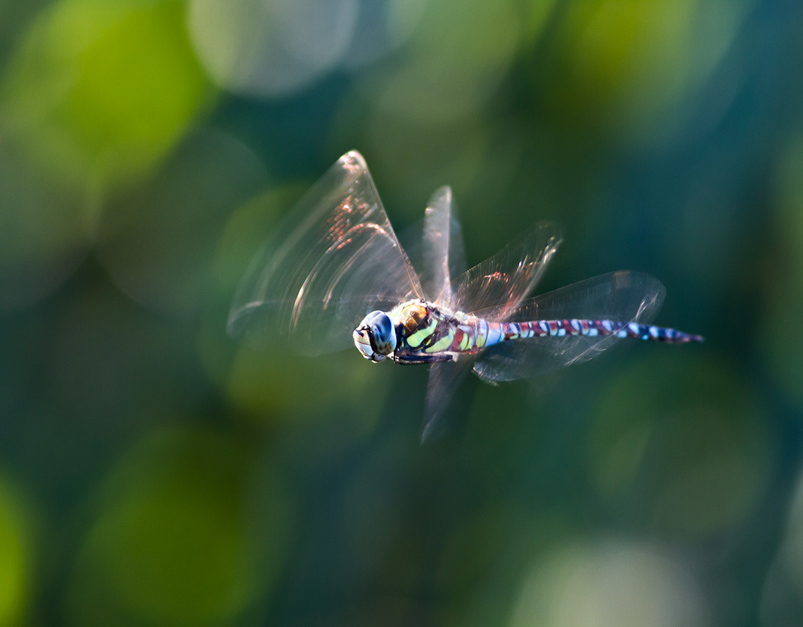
(375, 336)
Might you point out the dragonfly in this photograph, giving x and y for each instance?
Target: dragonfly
(334, 273)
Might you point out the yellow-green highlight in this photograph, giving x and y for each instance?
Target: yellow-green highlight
(100, 91)
(16, 558)
(173, 542)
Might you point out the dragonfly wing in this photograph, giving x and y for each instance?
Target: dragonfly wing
(443, 253)
(506, 279)
(625, 296)
(444, 379)
(333, 259)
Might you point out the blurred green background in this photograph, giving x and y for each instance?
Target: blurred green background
(152, 472)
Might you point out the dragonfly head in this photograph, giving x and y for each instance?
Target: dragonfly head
(375, 336)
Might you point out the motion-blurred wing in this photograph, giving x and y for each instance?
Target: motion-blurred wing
(625, 296)
(440, 255)
(506, 279)
(333, 259)
(444, 379)
(442, 247)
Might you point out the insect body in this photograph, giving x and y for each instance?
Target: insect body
(418, 333)
(334, 273)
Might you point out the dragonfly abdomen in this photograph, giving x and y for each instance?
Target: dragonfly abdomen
(590, 328)
(426, 333)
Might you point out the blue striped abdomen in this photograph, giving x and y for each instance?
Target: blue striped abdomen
(590, 328)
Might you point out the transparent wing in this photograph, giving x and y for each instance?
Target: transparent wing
(333, 259)
(443, 252)
(435, 246)
(503, 280)
(443, 257)
(506, 279)
(444, 379)
(625, 296)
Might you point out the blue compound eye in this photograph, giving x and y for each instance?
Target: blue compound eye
(383, 335)
(383, 329)
(375, 337)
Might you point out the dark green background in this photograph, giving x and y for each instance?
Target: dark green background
(152, 472)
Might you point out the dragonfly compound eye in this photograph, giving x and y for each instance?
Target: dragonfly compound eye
(375, 336)
(383, 333)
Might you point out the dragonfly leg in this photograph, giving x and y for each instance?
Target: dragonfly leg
(424, 359)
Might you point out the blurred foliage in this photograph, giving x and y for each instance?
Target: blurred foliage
(154, 472)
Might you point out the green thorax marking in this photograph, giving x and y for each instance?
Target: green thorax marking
(423, 328)
(418, 337)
